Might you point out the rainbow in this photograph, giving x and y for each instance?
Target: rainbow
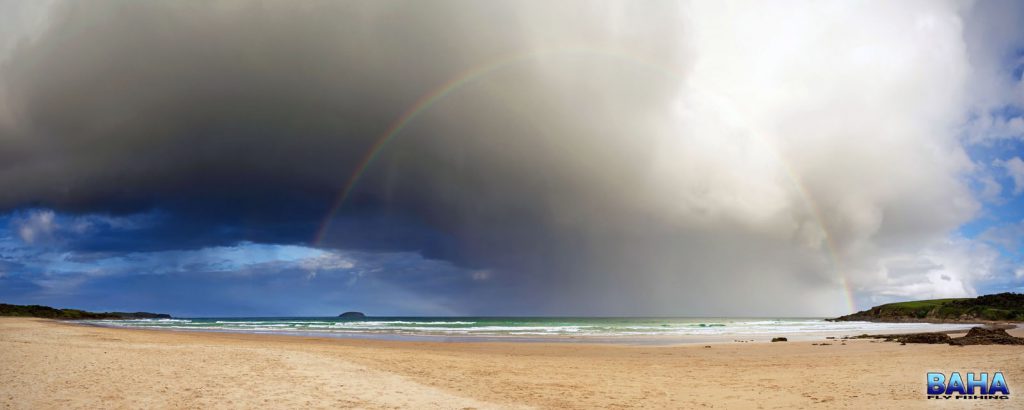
(445, 89)
(480, 71)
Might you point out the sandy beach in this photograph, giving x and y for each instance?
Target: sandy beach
(49, 364)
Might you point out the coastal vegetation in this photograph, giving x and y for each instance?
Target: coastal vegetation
(72, 314)
(1007, 307)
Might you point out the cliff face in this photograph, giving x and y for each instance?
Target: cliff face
(998, 307)
(72, 314)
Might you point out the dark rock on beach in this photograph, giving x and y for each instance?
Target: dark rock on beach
(779, 339)
(982, 336)
(976, 336)
(927, 338)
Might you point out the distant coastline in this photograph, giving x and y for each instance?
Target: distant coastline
(996, 308)
(47, 312)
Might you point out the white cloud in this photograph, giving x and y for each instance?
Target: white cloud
(327, 261)
(35, 225)
(803, 145)
(56, 285)
(990, 189)
(849, 111)
(993, 32)
(44, 226)
(988, 127)
(84, 224)
(949, 268)
(1010, 236)
(1015, 169)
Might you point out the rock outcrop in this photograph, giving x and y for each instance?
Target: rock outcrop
(975, 336)
(927, 338)
(982, 336)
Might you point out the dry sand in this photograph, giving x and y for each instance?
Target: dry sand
(47, 364)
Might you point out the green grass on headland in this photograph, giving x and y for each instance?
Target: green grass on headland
(72, 314)
(998, 307)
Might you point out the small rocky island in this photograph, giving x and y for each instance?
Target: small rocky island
(352, 315)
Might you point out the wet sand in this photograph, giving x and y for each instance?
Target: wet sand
(48, 364)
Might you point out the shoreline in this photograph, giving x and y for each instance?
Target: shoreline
(52, 364)
(637, 339)
(932, 321)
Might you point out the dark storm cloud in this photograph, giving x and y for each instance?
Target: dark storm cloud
(619, 157)
(128, 105)
(247, 114)
(251, 114)
(131, 104)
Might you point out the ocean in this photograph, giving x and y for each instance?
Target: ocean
(609, 329)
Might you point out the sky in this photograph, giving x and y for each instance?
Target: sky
(705, 158)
